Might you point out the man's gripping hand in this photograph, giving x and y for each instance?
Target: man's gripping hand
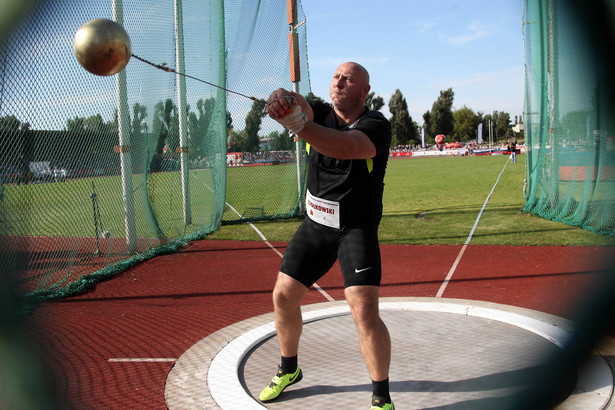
(283, 107)
(294, 121)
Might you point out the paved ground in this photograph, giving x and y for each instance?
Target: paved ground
(119, 345)
(448, 353)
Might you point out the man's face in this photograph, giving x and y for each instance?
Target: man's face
(348, 87)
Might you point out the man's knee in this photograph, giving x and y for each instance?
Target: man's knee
(366, 316)
(363, 302)
(288, 292)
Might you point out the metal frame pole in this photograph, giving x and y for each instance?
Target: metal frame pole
(295, 77)
(123, 149)
(182, 110)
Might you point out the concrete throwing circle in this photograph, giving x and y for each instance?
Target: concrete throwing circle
(446, 353)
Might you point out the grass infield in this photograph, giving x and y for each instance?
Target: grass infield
(427, 201)
(435, 201)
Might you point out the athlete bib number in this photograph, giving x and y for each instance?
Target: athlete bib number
(323, 211)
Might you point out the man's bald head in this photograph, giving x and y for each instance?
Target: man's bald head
(350, 85)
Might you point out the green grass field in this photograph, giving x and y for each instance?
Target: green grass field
(271, 189)
(437, 201)
(66, 209)
(426, 201)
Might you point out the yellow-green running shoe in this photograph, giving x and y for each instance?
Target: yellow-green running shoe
(378, 405)
(279, 382)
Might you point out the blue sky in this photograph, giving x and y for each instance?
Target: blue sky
(422, 47)
(418, 46)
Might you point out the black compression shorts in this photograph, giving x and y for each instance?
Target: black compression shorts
(314, 248)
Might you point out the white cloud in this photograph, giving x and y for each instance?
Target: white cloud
(428, 24)
(485, 80)
(478, 31)
(499, 90)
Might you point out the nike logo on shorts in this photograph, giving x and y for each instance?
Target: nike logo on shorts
(356, 270)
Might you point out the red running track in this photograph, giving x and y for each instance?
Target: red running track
(161, 307)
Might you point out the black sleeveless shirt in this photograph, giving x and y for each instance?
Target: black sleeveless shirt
(357, 184)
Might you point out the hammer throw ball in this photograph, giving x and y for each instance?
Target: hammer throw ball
(102, 47)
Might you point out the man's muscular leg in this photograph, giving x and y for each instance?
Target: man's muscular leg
(373, 334)
(287, 296)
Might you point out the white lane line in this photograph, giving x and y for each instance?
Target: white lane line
(161, 360)
(318, 288)
(465, 245)
(451, 271)
(256, 229)
(322, 291)
(141, 360)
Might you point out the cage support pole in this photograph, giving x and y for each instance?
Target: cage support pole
(295, 78)
(182, 111)
(123, 149)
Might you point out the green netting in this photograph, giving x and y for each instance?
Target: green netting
(100, 172)
(569, 112)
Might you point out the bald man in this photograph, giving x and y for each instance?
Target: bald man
(348, 150)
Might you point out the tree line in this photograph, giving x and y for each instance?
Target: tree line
(87, 135)
(457, 125)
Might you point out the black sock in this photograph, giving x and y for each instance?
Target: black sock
(381, 391)
(288, 364)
